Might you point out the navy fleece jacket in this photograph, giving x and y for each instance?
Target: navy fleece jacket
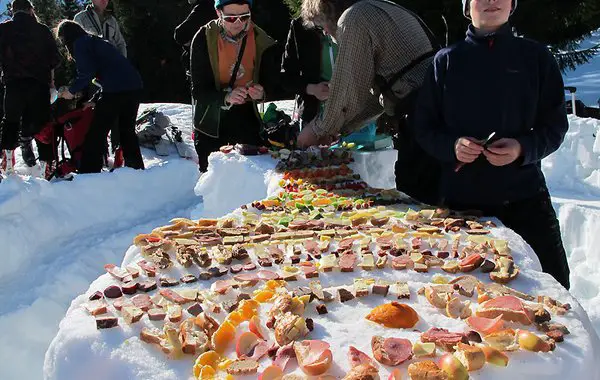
(483, 84)
(96, 58)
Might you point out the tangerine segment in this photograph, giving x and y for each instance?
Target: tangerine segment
(235, 318)
(394, 315)
(319, 202)
(264, 296)
(248, 309)
(221, 338)
(274, 284)
(207, 373)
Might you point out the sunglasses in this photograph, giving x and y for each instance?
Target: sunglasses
(234, 18)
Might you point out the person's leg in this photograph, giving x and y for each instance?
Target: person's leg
(37, 113)
(205, 145)
(126, 130)
(13, 111)
(105, 114)
(535, 220)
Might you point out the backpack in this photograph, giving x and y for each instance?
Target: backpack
(68, 130)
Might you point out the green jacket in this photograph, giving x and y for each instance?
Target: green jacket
(204, 66)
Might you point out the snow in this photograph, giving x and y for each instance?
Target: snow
(56, 238)
(586, 77)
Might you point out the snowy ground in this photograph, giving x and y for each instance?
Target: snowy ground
(56, 237)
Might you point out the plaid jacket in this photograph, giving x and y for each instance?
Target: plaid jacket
(375, 37)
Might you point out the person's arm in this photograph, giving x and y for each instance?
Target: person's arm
(350, 102)
(551, 123)
(120, 43)
(291, 73)
(54, 55)
(184, 33)
(428, 123)
(203, 81)
(86, 65)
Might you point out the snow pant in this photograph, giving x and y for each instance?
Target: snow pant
(114, 108)
(239, 125)
(26, 109)
(535, 220)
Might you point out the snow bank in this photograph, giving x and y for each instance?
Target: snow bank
(57, 236)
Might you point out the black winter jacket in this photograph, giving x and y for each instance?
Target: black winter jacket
(302, 66)
(201, 14)
(27, 49)
(495, 83)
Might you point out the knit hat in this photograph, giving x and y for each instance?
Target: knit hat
(219, 4)
(467, 2)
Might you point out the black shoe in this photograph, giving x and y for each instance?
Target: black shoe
(27, 153)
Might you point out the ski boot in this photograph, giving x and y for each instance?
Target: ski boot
(48, 170)
(118, 161)
(27, 152)
(8, 162)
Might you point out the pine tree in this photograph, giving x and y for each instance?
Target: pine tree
(47, 12)
(69, 8)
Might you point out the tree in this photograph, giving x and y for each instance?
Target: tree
(47, 12)
(69, 8)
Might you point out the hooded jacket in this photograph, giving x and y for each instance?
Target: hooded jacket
(494, 83)
(108, 30)
(27, 49)
(204, 66)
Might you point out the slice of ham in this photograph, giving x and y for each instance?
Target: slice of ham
(142, 301)
(283, 356)
(442, 338)
(222, 286)
(147, 267)
(311, 247)
(173, 296)
(416, 243)
(267, 275)
(384, 242)
(246, 277)
(345, 244)
(261, 349)
(398, 350)
(485, 325)
(510, 308)
(347, 261)
(357, 357)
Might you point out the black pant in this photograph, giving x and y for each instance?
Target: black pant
(535, 220)
(26, 105)
(239, 125)
(116, 108)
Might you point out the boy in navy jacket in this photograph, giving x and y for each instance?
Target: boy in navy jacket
(496, 82)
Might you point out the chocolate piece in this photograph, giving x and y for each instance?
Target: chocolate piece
(216, 309)
(223, 272)
(236, 268)
(345, 295)
(243, 296)
(487, 266)
(106, 322)
(195, 309)
(204, 276)
(421, 268)
(556, 335)
(157, 314)
(347, 262)
(542, 315)
(381, 289)
(302, 291)
(310, 324)
(188, 279)
(443, 254)
(214, 272)
(167, 282)
(174, 313)
(381, 261)
(96, 296)
(113, 291)
(147, 267)
(321, 309)
(473, 336)
(295, 259)
(265, 262)
(129, 287)
(402, 290)
(328, 296)
(230, 305)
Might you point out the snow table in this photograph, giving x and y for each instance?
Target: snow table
(80, 351)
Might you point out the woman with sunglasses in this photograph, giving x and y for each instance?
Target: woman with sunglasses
(121, 89)
(231, 58)
(307, 68)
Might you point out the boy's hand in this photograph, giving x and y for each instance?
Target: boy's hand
(467, 149)
(503, 152)
(237, 96)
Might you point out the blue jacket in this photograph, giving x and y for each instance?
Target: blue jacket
(97, 58)
(483, 84)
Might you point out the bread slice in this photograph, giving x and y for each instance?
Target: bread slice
(426, 370)
(471, 357)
